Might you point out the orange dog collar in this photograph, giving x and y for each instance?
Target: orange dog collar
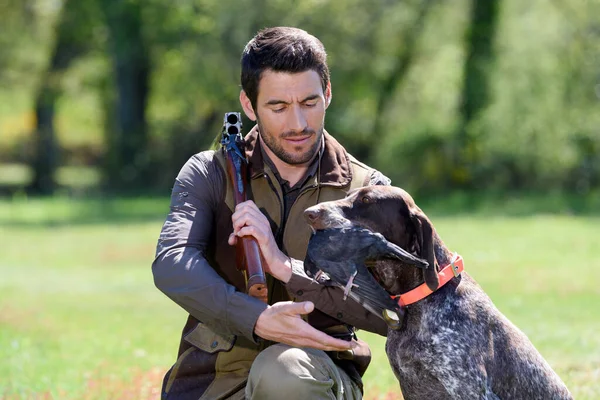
(452, 270)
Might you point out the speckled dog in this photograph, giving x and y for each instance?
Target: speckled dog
(452, 343)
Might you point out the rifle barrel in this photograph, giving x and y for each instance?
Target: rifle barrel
(249, 257)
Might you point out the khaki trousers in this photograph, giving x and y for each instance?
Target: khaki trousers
(290, 373)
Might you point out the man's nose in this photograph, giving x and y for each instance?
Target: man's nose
(297, 121)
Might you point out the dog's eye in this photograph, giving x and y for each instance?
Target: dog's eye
(366, 200)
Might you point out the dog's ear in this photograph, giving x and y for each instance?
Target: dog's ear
(425, 241)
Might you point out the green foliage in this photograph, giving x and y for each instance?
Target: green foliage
(536, 133)
(398, 84)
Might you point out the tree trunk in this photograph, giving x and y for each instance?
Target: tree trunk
(126, 166)
(45, 160)
(70, 44)
(475, 95)
(398, 74)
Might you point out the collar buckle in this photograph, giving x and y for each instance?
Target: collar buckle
(454, 267)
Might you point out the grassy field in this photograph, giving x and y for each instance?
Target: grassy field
(80, 317)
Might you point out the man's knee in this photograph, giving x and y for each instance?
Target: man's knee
(284, 369)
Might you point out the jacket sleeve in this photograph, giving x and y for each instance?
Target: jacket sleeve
(181, 270)
(330, 300)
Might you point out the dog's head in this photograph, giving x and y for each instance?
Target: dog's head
(391, 212)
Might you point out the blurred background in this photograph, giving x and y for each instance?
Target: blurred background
(488, 112)
(115, 95)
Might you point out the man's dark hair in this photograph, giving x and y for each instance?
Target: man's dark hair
(281, 49)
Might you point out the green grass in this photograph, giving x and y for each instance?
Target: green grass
(80, 316)
(68, 176)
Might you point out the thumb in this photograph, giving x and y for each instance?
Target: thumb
(232, 240)
(305, 307)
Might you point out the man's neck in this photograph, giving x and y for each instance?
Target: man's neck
(289, 172)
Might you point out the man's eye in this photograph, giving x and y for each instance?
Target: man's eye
(278, 110)
(310, 104)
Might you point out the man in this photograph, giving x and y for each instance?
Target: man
(233, 345)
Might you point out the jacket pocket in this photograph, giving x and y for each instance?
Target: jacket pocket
(231, 370)
(206, 340)
(231, 357)
(195, 370)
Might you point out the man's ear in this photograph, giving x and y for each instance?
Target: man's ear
(328, 95)
(247, 106)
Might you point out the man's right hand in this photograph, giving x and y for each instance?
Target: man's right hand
(282, 323)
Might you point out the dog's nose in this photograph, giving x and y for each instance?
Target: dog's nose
(312, 214)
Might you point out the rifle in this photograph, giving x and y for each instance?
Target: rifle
(248, 256)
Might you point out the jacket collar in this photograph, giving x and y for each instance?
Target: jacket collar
(334, 169)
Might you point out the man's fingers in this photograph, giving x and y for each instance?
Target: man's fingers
(247, 205)
(304, 335)
(311, 337)
(247, 220)
(243, 220)
(322, 341)
(331, 344)
(281, 322)
(248, 208)
(257, 234)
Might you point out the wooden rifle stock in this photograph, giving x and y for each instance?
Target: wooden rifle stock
(248, 256)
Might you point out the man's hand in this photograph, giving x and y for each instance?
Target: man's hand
(282, 323)
(249, 221)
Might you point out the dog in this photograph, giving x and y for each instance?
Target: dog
(452, 342)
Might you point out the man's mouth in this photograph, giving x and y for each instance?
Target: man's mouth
(298, 139)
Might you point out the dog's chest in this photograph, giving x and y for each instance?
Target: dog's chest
(436, 367)
(438, 353)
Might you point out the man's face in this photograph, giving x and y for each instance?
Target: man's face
(290, 110)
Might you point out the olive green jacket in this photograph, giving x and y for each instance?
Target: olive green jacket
(195, 266)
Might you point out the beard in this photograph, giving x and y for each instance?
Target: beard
(287, 157)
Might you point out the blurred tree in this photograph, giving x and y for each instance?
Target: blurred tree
(489, 95)
(16, 16)
(402, 64)
(127, 161)
(475, 96)
(73, 36)
(582, 89)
